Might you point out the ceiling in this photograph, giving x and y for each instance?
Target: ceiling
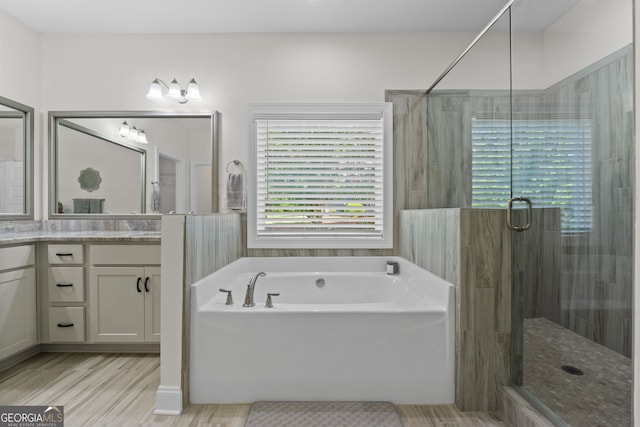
(232, 16)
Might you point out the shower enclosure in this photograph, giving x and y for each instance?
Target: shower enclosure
(536, 118)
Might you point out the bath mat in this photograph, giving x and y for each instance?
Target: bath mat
(323, 414)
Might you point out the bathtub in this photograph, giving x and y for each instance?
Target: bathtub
(341, 329)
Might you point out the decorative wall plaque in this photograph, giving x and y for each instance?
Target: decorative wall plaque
(89, 179)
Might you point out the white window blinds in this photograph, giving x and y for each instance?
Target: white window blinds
(322, 181)
(549, 161)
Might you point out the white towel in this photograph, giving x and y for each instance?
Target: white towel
(235, 191)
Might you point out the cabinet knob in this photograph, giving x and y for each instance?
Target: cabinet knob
(65, 325)
(138, 284)
(64, 285)
(146, 284)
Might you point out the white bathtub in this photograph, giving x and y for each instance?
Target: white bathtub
(364, 335)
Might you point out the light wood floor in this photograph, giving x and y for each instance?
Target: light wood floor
(119, 390)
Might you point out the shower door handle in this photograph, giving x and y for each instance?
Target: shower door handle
(519, 228)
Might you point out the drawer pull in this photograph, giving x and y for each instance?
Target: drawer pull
(146, 284)
(138, 284)
(64, 254)
(64, 285)
(65, 325)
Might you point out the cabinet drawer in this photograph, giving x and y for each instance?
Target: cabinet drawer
(17, 256)
(65, 254)
(66, 284)
(124, 254)
(66, 324)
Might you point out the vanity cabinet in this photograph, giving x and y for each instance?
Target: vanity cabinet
(124, 282)
(63, 294)
(18, 308)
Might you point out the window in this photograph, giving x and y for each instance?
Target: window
(322, 176)
(549, 162)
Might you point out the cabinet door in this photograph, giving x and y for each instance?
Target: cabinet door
(117, 304)
(18, 329)
(152, 304)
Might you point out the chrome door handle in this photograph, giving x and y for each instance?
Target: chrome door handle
(519, 228)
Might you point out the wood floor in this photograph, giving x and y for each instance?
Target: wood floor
(120, 389)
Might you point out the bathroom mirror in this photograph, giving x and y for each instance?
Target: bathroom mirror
(132, 163)
(16, 160)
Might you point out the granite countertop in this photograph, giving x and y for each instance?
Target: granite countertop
(89, 236)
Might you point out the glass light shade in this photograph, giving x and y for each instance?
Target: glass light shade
(124, 129)
(155, 91)
(142, 137)
(174, 90)
(193, 91)
(133, 133)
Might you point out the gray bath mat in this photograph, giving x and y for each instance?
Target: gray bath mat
(323, 414)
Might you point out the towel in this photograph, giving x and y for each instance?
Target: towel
(235, 192)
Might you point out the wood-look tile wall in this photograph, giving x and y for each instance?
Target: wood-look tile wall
(586, 285)
(471, 248)
(596, 270)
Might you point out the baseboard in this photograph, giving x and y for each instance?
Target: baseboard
(19, 357)
(168, 401)
(101, 348)
(76, 348)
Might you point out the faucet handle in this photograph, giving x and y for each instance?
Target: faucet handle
(229, 297)
(269, 303)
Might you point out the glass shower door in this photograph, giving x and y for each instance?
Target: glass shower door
(572, 157)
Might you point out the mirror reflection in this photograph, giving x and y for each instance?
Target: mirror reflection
(16, 146)
(131, 163)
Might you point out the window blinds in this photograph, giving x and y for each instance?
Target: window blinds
(549, 162)
(320, 178)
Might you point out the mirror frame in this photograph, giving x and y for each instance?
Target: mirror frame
(28, 123)
(65, 116)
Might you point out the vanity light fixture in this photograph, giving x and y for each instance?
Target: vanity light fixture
(131, 132)
(192, 93)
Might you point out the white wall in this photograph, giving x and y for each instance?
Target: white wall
(19, 61)
(20, 79)
(113, 72)
(588, 32)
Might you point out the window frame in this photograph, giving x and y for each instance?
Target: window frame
(320, 111)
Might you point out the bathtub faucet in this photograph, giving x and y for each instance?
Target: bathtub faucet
(248, 298)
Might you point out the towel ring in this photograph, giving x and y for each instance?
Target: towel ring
(237, 163)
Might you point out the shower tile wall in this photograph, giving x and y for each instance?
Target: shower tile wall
(587, 289)
(471, 248)
(596, 284)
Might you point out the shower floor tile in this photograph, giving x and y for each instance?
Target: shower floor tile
(600, 397)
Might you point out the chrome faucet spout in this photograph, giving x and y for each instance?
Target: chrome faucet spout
(248, 297)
